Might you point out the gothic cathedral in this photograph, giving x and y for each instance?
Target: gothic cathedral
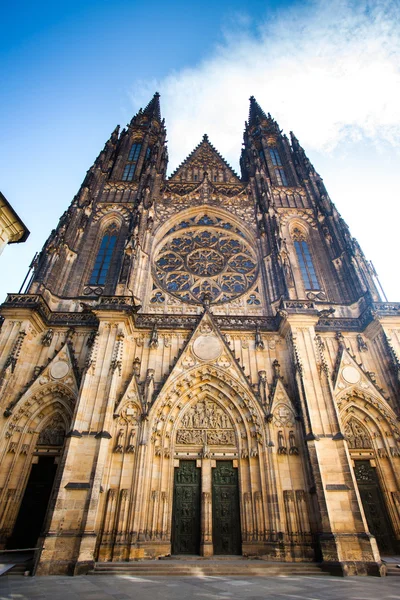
(200, 364)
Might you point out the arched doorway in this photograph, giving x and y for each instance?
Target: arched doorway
(365, 456)
(40, 481)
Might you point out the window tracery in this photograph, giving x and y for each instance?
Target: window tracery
(104, 255)
(305, 260)
(205, 255)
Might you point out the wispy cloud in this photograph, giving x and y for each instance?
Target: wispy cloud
(330, 71)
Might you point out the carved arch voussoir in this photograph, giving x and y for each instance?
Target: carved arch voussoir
(296, 218)
(214, 385)
(377, 416)
(111, 214)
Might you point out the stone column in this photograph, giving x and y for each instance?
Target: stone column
(206, 543)
(344, 538)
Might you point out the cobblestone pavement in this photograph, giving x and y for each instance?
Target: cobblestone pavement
(125, 587)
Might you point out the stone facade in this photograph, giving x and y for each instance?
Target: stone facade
(230, 323)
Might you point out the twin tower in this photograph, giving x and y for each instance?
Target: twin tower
(200, 364)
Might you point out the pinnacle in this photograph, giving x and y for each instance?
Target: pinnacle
(255, 112)
(153, 107)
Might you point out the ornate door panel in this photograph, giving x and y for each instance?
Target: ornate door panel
(186, 509)
(374, 506)
(225, 506)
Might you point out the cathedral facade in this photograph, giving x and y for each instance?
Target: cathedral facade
(201, 364)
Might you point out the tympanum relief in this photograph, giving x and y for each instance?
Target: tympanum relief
(206, 423)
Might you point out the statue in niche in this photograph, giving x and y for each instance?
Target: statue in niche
(119, 446)
(292, 443)
(281, 443)
(130, 448)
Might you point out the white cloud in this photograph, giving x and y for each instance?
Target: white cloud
(329, 71)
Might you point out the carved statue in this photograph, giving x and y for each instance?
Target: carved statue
(262, 387)
(292, 443)
(136, 367)
(47, 338)
(281, 443)
(148, 390)
(130, 448)
(119, 446)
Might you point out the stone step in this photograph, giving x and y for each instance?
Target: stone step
(393, 570)
(209, 567)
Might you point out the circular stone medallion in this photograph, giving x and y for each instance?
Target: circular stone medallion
(59, 369)
(207, 347)
(351, 375)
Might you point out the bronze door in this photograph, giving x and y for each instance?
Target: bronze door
(225, 508)
(374, 506)
(186, 509)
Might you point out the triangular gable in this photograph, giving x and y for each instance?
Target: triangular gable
(281, 409)
(61, 369)
(204, 158)
(207, 346)
(348, 375)
(132, 393)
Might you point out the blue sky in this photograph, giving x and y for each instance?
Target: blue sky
(71, 70)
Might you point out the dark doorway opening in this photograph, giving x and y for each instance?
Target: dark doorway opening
(226, 511)
(186, 509)
(34, 504)
(374, 506)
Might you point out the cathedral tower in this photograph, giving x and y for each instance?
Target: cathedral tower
(197, 351)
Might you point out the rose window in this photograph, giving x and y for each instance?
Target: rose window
(205, 256)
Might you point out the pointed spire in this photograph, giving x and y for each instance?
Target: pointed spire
(153, 108)
(256, 113)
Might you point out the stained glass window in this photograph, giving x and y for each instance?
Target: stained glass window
(205, 256)
(276, 159)
(306, 265)
(281, 177)
(130, 166)
(103, 259)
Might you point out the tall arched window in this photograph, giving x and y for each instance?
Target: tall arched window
(103, 259)
(305, 261)
(130, 166)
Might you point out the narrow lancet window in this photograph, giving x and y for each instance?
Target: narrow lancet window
(130, 166)
(103, 259)
(281, 177)
(305, 261)
(276, 159)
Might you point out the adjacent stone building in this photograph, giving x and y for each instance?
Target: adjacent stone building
(201, 364)
(12, 229)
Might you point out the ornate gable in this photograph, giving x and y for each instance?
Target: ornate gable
(205, 159)
(59, 375)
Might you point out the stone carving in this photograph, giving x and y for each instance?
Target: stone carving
(54, 432)
(206, 423)
(292, 443)
(119, 446)
(357, 436)
(283, 416)
(282, 449)
(362, 346)
(47, 337)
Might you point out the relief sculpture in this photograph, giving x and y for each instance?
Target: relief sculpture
(206, 423)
